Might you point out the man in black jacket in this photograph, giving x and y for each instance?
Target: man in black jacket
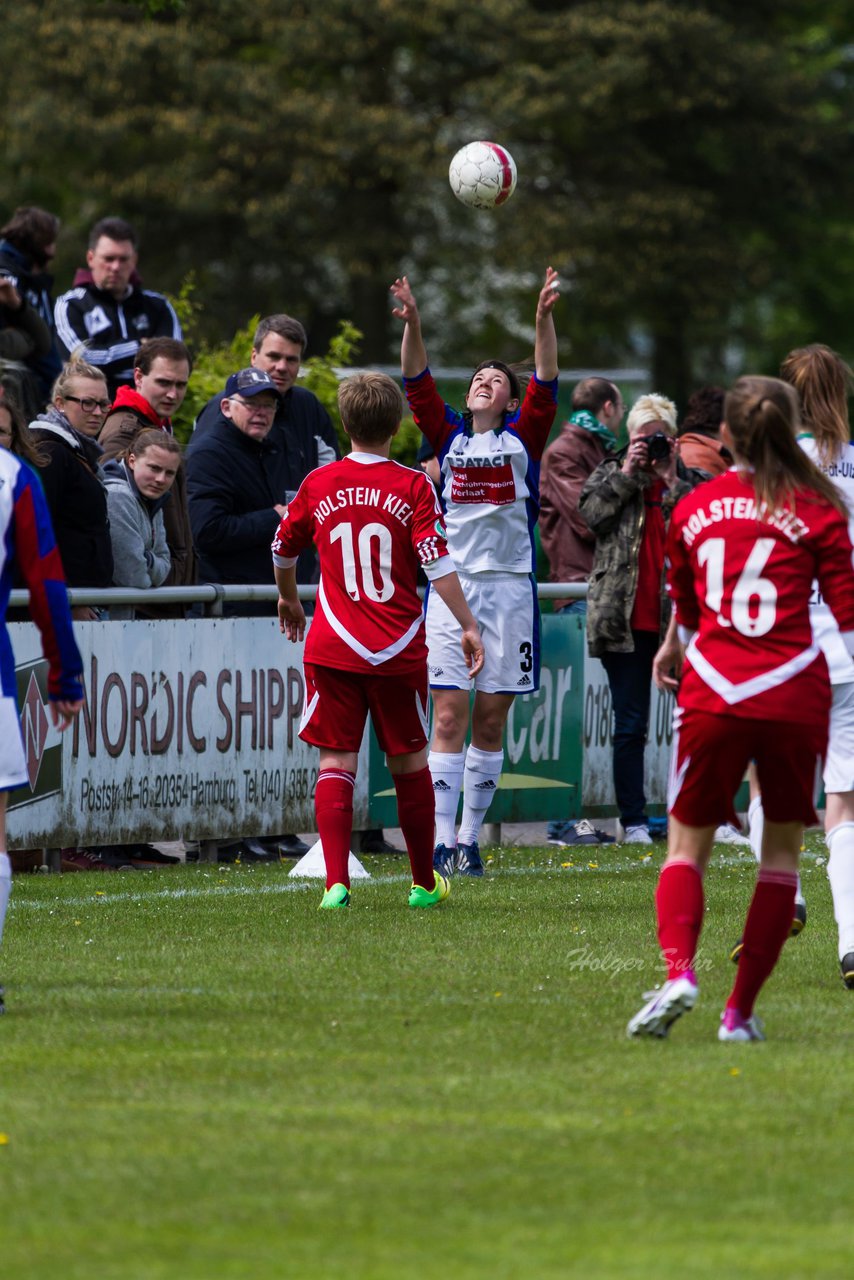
(108, 311)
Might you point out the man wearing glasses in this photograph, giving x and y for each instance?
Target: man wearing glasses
(160, 377)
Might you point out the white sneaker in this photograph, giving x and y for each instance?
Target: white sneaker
(735, 1028)
(637, 835)
(677, 996)
(728, 834)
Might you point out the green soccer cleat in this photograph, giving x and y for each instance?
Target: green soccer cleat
(419, 897)
(336, 896)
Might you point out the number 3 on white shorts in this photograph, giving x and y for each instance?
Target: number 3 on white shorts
(750, 586)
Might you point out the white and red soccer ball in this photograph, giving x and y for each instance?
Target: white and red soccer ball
(482, 175)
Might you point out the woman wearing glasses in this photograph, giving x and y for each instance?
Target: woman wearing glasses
(72, 478)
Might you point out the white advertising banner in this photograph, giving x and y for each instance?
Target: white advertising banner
(597, 786)
(190, 728)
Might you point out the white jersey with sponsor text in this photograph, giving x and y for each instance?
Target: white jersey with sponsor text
(824, 627)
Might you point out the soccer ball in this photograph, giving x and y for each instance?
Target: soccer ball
(482, 175)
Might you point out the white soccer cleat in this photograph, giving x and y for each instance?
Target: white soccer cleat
(677, 996)
(736, 1029)
(728, 834)
(637, 835)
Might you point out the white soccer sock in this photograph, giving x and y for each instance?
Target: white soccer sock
(446, 769)
(483, 769)
(5, 887)
(755, 829)
(840, 873)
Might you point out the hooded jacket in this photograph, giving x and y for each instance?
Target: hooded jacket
(140, 553)
(74, 488)
(130, 413)
(110, 329)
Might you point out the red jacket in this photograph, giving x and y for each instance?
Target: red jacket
(564, 534)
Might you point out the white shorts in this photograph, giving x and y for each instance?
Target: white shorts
(839, 762)
(13, 763)
(505, 609)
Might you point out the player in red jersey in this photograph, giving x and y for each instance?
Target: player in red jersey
(374, 522)
(743, 552)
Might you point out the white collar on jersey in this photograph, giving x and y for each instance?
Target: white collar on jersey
(366, 458)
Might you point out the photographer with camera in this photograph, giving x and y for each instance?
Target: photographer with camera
(627, 503)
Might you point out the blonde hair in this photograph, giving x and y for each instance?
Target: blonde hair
(371, 407)
(75, 368)
(824, 382)
(652, 408)
(763, 418)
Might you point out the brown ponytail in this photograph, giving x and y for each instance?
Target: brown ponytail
(763, 418)
(824, 382)
(150, 438)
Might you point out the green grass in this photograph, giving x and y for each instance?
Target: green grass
(203, 1076)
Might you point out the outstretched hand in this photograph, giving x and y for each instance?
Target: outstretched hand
(549, 293)
(407, 308)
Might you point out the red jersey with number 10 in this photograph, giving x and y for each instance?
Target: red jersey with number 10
(374, 522)
(742, 584)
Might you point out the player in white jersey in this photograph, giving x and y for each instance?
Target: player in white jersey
(489, 457)
(824, 381)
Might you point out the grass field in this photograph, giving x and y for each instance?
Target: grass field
(203, 1076)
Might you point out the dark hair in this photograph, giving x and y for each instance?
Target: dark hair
(285, 326)
(31, 230)
(824, 382)
(512, 377)
(371, 407)
(704, 412)
(23, 445)
(151, 438)
(166, 348)
(763, 418)
(593, 393)
(113, 229)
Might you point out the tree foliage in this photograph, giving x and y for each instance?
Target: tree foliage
(686, 167)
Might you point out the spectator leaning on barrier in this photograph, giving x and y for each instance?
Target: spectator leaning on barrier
(138, 487)
(72, 479)
(160, 376)
(27, 246)
(627, 503)
(301, 428)
(107, 310)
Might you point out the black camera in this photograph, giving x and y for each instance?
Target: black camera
(657, 447)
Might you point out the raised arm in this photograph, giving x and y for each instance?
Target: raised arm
(545, 345)
(413, 353)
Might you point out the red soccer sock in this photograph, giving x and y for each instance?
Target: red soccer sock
(679, 906)
(333, 805)
(769, 919)
(416, 812)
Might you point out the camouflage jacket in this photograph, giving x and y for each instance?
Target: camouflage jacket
(612, 504)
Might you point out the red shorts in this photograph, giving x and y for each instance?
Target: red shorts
(337, 704)
(710, 756)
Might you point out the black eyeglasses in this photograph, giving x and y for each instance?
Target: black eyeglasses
(88, 405)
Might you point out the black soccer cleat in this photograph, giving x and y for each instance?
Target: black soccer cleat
(846, 968)
(798, 921)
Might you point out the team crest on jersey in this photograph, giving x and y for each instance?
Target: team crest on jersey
(141, 323)
(96, 321)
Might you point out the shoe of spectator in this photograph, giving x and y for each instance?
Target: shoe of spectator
(375, 842)
(420, 897)
(728, 834)
(252, 850)
(147, 854)
(88, 860)
(663, 1007)
(284, 846)
(469, 861)
(569, 833)
(338, 895)
(734, 1028)
(846, 968)
(119, 857)
(637, 835)
(657, 827)
(444, 860)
